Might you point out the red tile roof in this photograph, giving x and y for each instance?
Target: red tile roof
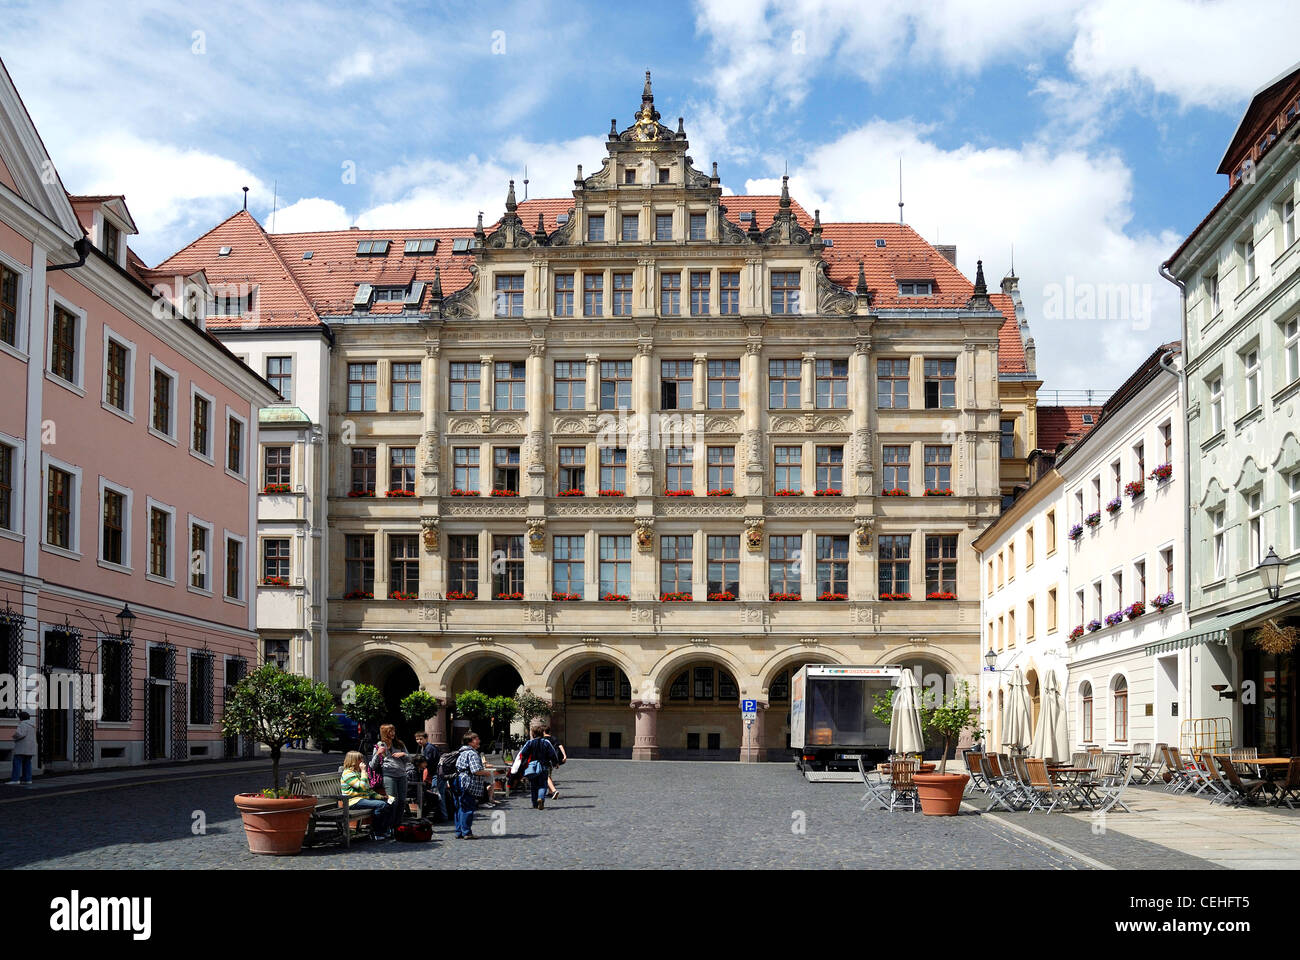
(294, 291)
(1057, 425)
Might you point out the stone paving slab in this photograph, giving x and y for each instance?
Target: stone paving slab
(610, 814)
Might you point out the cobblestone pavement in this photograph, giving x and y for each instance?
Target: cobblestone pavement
(610, 814)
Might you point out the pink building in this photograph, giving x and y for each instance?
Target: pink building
(125, 440)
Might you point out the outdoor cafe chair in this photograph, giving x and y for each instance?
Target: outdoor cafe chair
(1110, 789)
(1147, 767)
(877, 786)
(1182, 778)
(1290, 787)
(901, 788)
(1001, 793)
(1245, 790)
(1220, 787)
(973, 768)
(1242, 756)
(1045, 792)
(1017, 791)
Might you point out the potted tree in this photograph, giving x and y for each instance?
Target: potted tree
(502, 712)
(940, 793)
(365, 704)
(417, 707)
(272, 706)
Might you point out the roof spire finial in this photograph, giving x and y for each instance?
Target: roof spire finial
(646, 95)
(437, 282)
(541, 226)
(785, 191)
(862, 280)
(511, 205)
(981, 288)
(245, 198)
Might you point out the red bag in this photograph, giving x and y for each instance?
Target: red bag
(415, 831)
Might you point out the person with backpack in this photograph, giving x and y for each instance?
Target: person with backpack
(538, 756)
(469, 781)
(561, 753)
(435, 790)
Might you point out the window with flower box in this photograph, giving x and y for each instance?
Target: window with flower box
(505, 469)
(675, 555)
(567, 567)
(573, 470)
(830, 469)
(615, 566)
(783, 567)
(570, 385)
(462, 566)
(593, 293)
(510, 386)
(723, 566)
(401, 469)
(275, 561)
(724, 384)
(359, 564)
(832, 386)
(464, 384)
(892, 378)
(941, 565)
(508, 566)
(722, 469)
(613, 470)
(897, 467)
(894, 564)
(616, 384)
(787, 472)
(679, 469)
(464, 469)
(938, 467)
(832, 567)
(784, 378)
(364, 464)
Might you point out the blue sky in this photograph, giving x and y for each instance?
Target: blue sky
(1084, 132)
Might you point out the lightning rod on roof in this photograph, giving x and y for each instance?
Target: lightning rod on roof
(275, 194)
(525, 181)
(900, 189)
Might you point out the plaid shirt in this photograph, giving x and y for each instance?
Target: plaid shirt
(468, 764)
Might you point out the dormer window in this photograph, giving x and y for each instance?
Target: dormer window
(880, 243)
(372, 248)
(460, 245)
(389, 294)
(420, 248)
(110, 241)
(915, 288)
(233, 302)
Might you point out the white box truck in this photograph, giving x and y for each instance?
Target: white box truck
(831, 723)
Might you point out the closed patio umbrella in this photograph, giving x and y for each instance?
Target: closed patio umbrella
(1017, 728)
(905, 734)
(1051, 740)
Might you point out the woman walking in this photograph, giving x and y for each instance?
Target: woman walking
(391, 760)
(356, 787)
(538, 757)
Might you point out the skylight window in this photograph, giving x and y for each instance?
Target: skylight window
(828, 241)
(747, 216)
(1087, 418)
(561, 219)
(460, 245)
(372, 248)
(880, 242)
(223, 252)
(306, 254)
(418, 248)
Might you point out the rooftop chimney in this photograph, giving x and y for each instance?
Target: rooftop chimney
(948, 251)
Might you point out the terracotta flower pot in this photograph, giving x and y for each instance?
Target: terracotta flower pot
(940, 793)
(274, 826)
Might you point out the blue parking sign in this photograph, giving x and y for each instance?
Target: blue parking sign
(749, 709)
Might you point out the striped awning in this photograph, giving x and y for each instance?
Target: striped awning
(1216, 629)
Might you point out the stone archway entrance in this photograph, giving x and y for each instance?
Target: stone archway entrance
(394, 679)
(593, 710)
(491, 675)
(699, 714)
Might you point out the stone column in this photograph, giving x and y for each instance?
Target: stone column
(751, 738)
(436, 728)
(645, 746)
(485, 382)
(640, 466)
(430, 400)
(808, 382)
(701, 381)
(533, 458)
(593, 382)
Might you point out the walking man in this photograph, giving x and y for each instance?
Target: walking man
(24, 749)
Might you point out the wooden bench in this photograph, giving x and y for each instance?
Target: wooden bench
(332, 809)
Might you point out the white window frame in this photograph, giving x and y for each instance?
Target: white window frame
(1080, 595)
(1251, 379)
(129, 413)
(1293, 485)
(1291, 349)
(154, 365)
(1248, 254)
(1254, 528)
(1218, 544)
(74, 516)
(150, 506)
(77, 386)
(192, 522)
(1288, 223)
(242, 475)
(18, 348)
(242, 598)
(1171, 567)
(195, 392)
(127, 517)
(1215, 387)
(17, 488)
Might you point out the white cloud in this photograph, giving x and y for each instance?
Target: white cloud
(310, 213)
(1067, 212)
(355, 66)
